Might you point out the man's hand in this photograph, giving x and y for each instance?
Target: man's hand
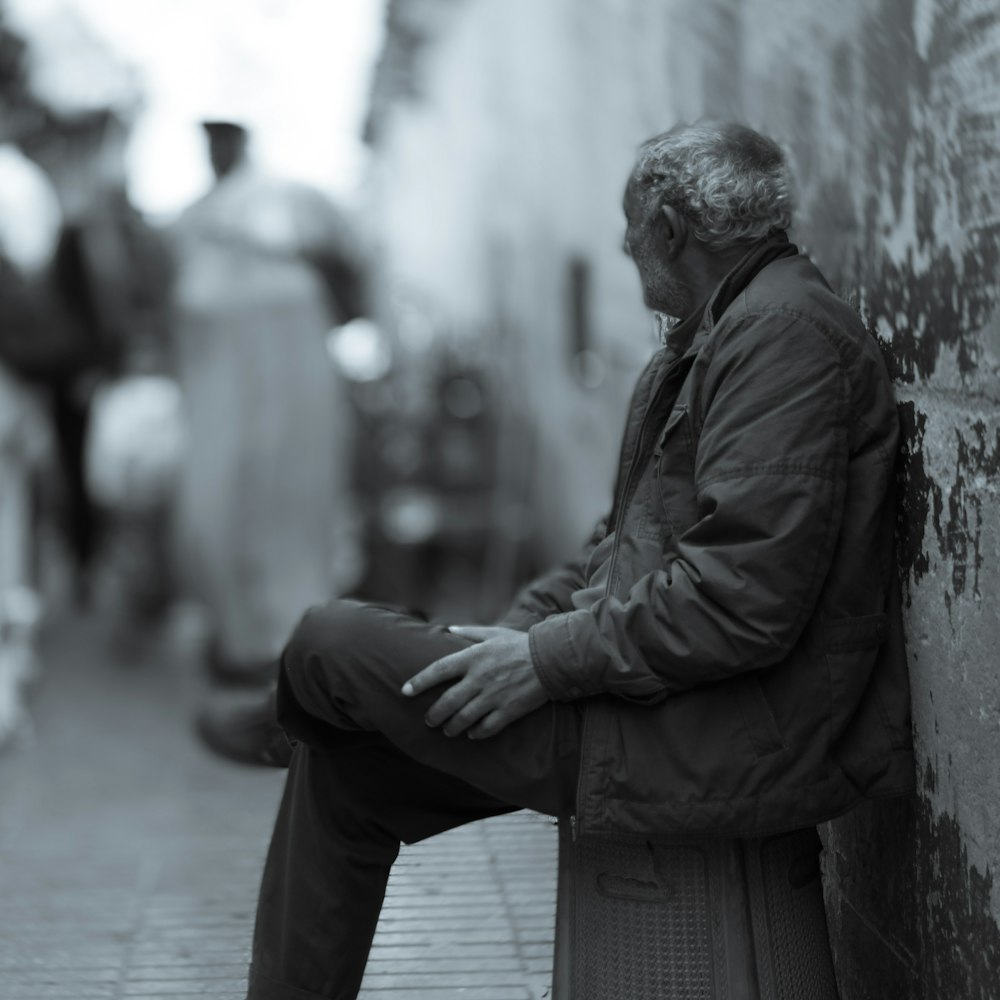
(496, 683)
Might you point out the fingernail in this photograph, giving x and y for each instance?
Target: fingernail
(408, 689)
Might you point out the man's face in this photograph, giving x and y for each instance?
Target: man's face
(645, 242)
(223, 151)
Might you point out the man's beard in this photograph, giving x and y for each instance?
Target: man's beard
(663, 323)
(674, 301)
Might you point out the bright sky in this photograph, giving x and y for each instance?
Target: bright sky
(298, 70)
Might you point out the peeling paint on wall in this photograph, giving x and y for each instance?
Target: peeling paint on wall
(942, 510)
(918, 499)
(898, 950)
(921, 185)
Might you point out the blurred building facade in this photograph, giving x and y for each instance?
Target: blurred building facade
(499, 168)
(503, 133)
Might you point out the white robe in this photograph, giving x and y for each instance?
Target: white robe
(266, 471)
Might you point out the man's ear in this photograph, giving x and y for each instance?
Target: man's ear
(674, 230)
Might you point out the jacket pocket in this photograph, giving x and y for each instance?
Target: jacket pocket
(761, 725)
(673, 460)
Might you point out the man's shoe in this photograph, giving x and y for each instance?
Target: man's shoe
(248, 734)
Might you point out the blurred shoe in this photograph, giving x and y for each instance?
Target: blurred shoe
(13, 701)
(231, 673)
(247, 734)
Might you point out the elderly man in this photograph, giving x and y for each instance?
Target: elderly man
(723, 657)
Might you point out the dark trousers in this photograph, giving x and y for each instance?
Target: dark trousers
(368, 774)
(79, 517)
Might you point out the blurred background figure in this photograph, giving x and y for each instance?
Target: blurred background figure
(98, 306)
(265, 268)
(110, 279)
(28, 229)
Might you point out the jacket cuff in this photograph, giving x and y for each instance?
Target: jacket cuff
(519, 618)
(554, 657)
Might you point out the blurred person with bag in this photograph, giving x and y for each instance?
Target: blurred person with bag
(109, 284)
(72, 101)
(266, 267)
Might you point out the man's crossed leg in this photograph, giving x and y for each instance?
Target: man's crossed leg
(369, 773)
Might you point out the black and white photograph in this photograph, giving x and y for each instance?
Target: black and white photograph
(499, 500)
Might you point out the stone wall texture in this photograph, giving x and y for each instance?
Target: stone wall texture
(505, 162)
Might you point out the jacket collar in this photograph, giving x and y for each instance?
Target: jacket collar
(687, 337)
(757, 257)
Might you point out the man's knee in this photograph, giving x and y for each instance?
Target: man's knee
(338, 626)
(312, 647)
(324, 640)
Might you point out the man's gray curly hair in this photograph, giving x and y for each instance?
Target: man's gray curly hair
(732, 184)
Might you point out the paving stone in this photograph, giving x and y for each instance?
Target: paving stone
(165, 973)
(455, 963)
(455, 993)
(15, 988)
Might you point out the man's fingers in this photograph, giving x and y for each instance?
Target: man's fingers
(450, 703)
(491, 724)
(448, 668)
(468, 715)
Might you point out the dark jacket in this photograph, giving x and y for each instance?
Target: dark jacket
(733, 629)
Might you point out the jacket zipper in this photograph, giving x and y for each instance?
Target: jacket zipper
(619, 508)
(627, 487)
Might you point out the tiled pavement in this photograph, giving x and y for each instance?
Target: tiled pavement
(129, 858)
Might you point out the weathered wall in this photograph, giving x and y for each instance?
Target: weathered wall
(892, 114)
(515, 161)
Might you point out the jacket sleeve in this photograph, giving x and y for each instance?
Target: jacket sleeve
(550, 593)
(770, 470)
